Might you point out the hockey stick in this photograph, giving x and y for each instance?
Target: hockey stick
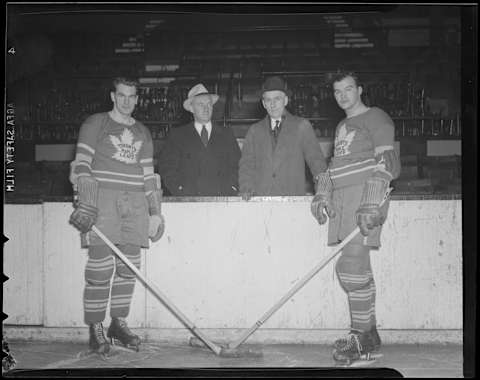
(298, 286)
(226, 352)
(154, 289)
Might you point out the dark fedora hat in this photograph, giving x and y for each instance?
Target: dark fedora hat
(275, 84)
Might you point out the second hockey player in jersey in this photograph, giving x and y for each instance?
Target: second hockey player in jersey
(350, 193)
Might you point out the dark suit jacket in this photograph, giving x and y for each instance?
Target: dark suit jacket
(188, 168)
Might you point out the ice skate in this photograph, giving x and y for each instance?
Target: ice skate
(355, 351)
(97, 342)
(8, 361)
(371, 335)
(119, 332)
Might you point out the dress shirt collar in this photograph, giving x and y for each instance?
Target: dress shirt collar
(273, 122)
(208, 126)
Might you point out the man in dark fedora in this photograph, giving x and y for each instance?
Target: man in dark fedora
(276, 148)
(200, 158)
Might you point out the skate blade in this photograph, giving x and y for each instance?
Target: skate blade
(89, 353)
(120, 346)
(362, 362)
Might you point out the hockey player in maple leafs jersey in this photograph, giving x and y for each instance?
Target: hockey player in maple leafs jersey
(120, 194)
(351, 193)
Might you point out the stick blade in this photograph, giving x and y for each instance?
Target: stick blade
(240, 353)
(227, 352)
(196, 342)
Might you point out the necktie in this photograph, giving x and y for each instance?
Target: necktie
(204, 135)
(276, 129)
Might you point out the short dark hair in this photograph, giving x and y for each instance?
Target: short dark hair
(124, 80)
(342, 74)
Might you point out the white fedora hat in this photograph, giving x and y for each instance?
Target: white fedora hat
(198, 89)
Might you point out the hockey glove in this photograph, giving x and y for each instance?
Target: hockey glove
(156, 222)
(321, 205)
(369, 214)
(156, 227)
(86, 212)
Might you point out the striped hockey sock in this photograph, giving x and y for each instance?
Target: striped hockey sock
(359, 295)
(98, 274)
(95, 301)
(362, 307)
(122, 292)
(355, 275)
(124, 283)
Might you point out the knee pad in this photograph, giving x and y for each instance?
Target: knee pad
(99, 271)
(133, 254)
(352, 272)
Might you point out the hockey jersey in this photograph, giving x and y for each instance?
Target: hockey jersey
(358, 142)
(118, 156)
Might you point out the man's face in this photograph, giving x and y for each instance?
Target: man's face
(202, 108)
(347, 93)
(275, 102)
(124, 99)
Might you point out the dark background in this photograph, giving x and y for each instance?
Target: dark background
(66, 54)
(408, 58)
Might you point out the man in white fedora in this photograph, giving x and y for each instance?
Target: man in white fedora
(200, 158)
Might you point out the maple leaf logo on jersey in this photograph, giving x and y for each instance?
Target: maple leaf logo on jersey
(343, 141)
(127, 149)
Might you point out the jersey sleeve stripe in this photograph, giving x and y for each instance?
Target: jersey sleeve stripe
(350, 172)
(84, 163)
(102, 179)
(137, 176)
(86, 147)
(82, 167)
(149, 177)
(83, 157)
(344, 167)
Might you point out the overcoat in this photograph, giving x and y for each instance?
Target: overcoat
(270, 169)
